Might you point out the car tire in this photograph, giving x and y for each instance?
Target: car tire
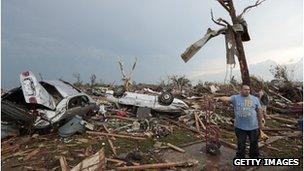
(165, 98)
(119, 91)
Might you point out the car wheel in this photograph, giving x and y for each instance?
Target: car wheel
(165, 98)
(119, 91)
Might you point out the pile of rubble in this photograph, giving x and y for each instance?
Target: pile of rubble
(109, 128)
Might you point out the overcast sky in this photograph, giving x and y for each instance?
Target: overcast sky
(59, 38)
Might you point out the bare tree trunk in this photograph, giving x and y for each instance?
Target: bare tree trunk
(239, 47)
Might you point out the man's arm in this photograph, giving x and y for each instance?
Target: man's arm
(224, 99)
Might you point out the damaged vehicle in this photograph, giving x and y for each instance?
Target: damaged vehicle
(40, 104)
(161, 102)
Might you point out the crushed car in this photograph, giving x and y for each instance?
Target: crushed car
(40, 104)
(160, 102)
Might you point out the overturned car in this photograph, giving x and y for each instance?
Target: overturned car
(160, 102)
(41, 104)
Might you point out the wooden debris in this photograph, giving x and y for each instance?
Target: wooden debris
(158, 166)
(112, 147)
(64, 164)
(276, 129)
(107, 130)
(181, 125)
(31, 154)
(227, 144)
(95, 162)
(115, 135)
(283, 119)
(201, 123)
(176, 148)
(196, 123)
(270, 140)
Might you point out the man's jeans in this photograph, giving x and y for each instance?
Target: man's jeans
(241, 142)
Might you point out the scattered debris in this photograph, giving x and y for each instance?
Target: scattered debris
(134, 128)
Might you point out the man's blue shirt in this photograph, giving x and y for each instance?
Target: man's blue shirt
(245, 111)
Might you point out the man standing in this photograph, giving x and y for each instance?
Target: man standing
(264, 100)
(248, 121)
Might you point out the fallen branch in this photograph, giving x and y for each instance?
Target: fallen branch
(115, 135)
(176, 148)
(112, 147)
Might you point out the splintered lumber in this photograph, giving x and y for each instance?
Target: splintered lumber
(157, 166)
(31, 154)
(181, 125)
(112, 147)
(176, 148)
(277, 129)
(107, 130)
(282, 119)
(270, 140)
(201, 122)
(295, 134)
(63, 163)
(94, 162)
(196, 123)
(115, 135)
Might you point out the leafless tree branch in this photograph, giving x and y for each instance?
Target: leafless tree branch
(216, 22)
(219, 21)
(257, 3)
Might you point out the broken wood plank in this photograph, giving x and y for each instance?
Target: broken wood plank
(181, 125)
(276, 129)
(201, 123)
(107, 130)
(63, 163)
(95, 162)
(270, 140)
(283, 120)
(158, 166)
(112, 147)
(227, 144)
(176, 148)
(31, 154)
(196, 123)
(115, 135)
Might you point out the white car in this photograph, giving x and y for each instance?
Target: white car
(44, 103)
(161, 102)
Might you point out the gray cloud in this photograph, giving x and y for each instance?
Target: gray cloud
(58, 38)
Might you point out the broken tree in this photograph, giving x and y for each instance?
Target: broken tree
(126, 78)
(235, 34)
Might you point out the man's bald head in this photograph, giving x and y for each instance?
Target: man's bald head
(245, 91)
